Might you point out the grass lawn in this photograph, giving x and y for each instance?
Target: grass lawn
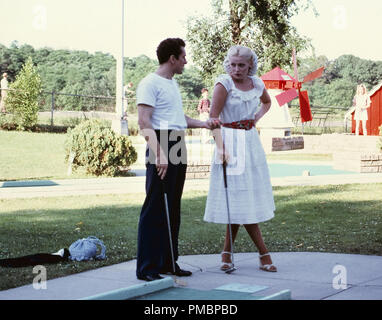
(29, 155)
(346, 219)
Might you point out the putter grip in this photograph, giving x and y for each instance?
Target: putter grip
(225, 173)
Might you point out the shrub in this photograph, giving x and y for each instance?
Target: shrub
(22, 98)
(380, 138)
(6, 122)
(96, 147)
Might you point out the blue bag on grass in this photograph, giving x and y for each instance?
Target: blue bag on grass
(86, 249)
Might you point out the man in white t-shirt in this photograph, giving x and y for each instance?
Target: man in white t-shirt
(162, 123)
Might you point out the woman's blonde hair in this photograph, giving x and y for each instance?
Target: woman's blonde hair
(359, 87)
(241, 51)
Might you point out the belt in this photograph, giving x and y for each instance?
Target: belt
(242, 124)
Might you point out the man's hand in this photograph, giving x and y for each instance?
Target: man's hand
(162, 165)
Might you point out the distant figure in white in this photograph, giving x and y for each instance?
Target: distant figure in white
(361, 102)
(127, 93)
(4, 88)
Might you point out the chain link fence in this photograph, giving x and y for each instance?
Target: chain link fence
(67, 109)
(55, 105)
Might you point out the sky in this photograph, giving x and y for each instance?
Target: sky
(342, 27)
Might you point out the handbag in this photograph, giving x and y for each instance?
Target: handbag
(86, 249)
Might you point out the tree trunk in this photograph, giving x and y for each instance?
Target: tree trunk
(235, 22)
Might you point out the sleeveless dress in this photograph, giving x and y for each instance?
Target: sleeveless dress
(248, 180)
(361, 101)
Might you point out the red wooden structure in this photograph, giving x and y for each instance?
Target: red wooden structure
(279, 79)
(374, 113)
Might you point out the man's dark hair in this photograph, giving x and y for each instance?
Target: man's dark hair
(169, 47)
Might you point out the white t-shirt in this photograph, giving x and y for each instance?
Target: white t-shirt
(164, 96)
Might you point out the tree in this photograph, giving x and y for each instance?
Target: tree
(22, 98)
(137, 68)
(263, 25)
(190, 83)
(338, 84)
(337, 93)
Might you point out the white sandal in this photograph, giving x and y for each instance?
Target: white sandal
(266, 267)
(226, 265)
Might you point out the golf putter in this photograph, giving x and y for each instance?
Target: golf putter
(232, 269)
(179, 282)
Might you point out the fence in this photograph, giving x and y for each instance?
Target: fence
(74, 105)
(324, 119)
(67, 105)
(85, 106)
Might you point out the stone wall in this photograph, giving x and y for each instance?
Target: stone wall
(198, 170)
(287, 143)
(333, 143)
(358, 162)
(324, 143)
(271, 144)
(350, 152)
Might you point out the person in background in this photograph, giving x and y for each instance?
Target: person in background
(204, 113)
(361, 102)
(4, 88)
(127, 93)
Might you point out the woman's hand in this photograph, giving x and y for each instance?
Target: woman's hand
(223, 155)
(213, 123)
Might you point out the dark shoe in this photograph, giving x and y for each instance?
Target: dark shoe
(183, 273)
(149, 277)
(179, 272)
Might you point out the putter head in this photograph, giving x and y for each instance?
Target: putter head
(230, 270)
(179, 282)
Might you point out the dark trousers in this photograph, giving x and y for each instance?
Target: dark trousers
(34, 260)
(154, 253)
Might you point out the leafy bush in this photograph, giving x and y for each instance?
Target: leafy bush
(6, 122)
(22, 98)
(380, 138)
(96, 147)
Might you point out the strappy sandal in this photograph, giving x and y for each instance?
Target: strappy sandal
(226, 265)
(266, 267)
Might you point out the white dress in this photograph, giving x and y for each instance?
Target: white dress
(361, 102)
(249, 187)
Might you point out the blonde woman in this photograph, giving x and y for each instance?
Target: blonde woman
(361, 102)
(239, 100)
